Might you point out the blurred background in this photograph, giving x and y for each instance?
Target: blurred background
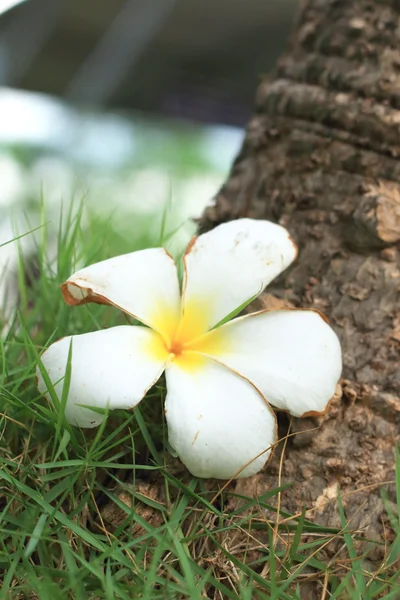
(133, 105)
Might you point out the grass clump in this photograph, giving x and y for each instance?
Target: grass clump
(110, 514)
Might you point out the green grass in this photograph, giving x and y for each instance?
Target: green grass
(110, 514)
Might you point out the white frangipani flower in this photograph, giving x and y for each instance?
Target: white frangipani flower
(220, 380)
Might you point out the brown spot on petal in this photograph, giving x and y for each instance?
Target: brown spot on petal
(196, 436)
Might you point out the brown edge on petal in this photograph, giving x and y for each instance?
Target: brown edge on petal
(286, 308)
(296, 248)
(190, 245)
(316, 413)
(311, 309)
(91, 296)
(169, 255)
(94, 298)
(269, 406)
(148, 388)
(270, 449)
(310, 413)
(130, 407)
(189, 248)
(272, 446)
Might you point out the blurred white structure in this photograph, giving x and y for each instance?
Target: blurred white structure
(8, 4)
(124, 169)
(10, 249)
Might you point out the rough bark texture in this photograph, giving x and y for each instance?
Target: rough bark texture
(321, 157)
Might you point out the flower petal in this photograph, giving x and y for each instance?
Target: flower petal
(217, 421)
(143, 284)
(230, 264)
(110, 368)
(292, 356)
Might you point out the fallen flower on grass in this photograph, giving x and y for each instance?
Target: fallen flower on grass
(221, 376)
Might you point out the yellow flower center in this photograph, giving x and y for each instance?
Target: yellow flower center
(185, 338)
(176, 347)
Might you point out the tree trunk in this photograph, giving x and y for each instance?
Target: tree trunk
(321, 158)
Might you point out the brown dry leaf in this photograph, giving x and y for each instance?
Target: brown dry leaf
(387, 210)
(114, 516)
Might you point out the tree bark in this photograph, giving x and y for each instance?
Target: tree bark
(320, 157)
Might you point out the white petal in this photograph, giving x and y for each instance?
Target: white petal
(217, 421)
(143, 284)
(110, 368)
(233, 262)
(292, 356)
